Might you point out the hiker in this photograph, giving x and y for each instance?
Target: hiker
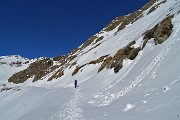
(75, 84)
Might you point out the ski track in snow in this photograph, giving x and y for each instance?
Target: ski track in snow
(171, 85)
(71, 110)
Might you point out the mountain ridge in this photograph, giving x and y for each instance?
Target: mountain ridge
(94, 41)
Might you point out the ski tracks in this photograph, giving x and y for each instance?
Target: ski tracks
(71, 110)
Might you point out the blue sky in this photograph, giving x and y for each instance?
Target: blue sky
(49, 28)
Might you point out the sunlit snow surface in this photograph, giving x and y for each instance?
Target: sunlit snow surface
(146, 88)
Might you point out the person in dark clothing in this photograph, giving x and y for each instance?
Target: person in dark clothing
(75, 84)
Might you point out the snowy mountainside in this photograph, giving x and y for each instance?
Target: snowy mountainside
(10, 65)
(129, 70)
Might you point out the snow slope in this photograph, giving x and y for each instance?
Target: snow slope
(10, 65)
(146, 88)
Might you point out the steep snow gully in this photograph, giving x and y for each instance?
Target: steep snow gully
(146, 88)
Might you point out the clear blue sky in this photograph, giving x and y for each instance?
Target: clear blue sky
(49, 28)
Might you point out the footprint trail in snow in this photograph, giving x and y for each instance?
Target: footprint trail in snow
(72, 111)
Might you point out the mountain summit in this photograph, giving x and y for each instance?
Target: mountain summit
(129, 70)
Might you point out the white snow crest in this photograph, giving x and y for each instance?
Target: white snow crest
(129, 106)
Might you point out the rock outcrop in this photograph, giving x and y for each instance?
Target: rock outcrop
(99, 60)
(37, 70)
(161, 31)
(116, 61)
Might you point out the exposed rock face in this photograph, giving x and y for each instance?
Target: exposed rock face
(77, 69)
(122, 21)
(19, 63)
(91, 62)
(91, 49)
(133, 53)
(106, 63)
(58, 74)
(37, 70)
(131, 18)
(92, 39)
(41, 68)
(99, 39)
(161, 31)
(156, 6)
(113, 24)
(116, 62)
(89, 41)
